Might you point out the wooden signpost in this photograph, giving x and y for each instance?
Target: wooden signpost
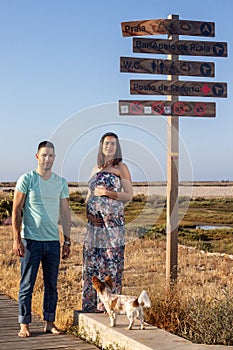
(153, 66)
(179, 108)
(168, 26)
(179, 88)
(180, 47)
(172, 88)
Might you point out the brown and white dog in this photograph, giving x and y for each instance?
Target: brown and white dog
(121, 304)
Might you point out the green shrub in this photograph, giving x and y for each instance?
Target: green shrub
(77, 197)
(139, 198)
(5, 208)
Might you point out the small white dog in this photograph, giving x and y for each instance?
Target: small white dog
(121, 304)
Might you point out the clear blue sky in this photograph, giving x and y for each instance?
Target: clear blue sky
(60, 80)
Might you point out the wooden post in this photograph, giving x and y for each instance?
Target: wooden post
(176, 88)
(172, 181)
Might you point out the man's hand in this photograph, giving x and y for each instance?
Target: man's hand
(18, 248)
(65, 251)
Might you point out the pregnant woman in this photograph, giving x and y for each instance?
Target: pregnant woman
(104, 244)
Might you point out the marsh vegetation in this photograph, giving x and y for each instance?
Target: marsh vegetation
(199, 307)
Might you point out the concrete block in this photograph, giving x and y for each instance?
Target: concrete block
(95, 328)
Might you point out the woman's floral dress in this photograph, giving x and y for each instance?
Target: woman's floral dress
(103, 250)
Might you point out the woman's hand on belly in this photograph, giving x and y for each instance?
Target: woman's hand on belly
(95, 220)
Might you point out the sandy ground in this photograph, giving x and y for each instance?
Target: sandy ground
(189, 191)
(184, 191)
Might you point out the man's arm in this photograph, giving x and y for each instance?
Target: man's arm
(18, 203)
(66, 224)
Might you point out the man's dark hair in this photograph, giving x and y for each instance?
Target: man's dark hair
(45, 144)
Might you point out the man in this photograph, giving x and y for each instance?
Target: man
(40, 200)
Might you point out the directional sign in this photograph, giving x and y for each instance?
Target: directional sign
(169, 67)
(168, 26)
(152, 108)
(179, 88)
(180, 47)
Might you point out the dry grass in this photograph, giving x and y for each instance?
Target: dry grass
(202, 276)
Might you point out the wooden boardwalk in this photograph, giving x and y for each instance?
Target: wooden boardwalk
(39, 340)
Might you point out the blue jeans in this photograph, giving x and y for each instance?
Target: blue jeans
(48, 253)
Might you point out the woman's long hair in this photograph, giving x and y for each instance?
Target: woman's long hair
(118, 154)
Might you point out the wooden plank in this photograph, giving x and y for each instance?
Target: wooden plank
(168, 26)
(155, 66)
(180, 88)
(9, 328)
(180, 47)
(156, 108)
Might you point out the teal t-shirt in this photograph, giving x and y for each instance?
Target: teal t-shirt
(42, 205)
